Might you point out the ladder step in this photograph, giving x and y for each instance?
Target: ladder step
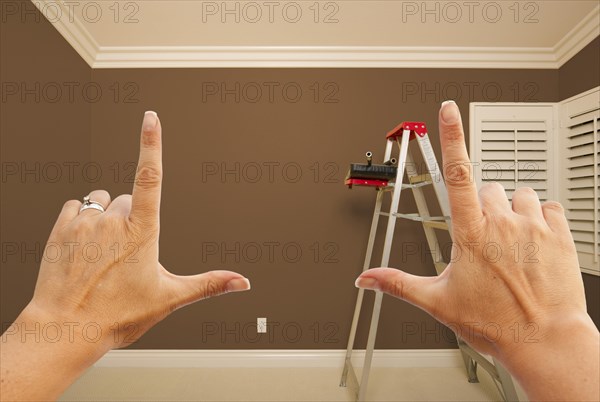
(436, 225)
(421, 178)
(436, 222)
(421, 184)
(390, 185)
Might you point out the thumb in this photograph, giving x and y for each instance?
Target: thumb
(421, 291)
(190, 289)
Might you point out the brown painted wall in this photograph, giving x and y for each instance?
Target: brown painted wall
(582, 72)
(203, 131)
(217, 211)
(579, 74)
(44, 135)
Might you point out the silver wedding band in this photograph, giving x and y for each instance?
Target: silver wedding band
(88, 204)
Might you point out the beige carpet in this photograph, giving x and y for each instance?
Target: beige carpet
(276, 384)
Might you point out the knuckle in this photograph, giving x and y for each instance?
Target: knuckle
(148, 176)
(99, 193)
(71, 204)
(124, 198)
(396, 288)
(491, 188)
(504, 220)
(524, 191)
(454, 132)
(528, 190)
(109, 223)
(142, 232)
(553, 205)
(494, 185)
(471, 232)
(211, 288)
(172, 305)
(83, 228)
(151, 139)
(458, 175)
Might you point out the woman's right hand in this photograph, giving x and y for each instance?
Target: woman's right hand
(513, 288)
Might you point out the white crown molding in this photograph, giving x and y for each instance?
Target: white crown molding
(320, 56)
(70, 28)
(323, 56)
(579, 37)
(278, 358)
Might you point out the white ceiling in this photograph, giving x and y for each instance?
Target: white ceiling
(306, 33)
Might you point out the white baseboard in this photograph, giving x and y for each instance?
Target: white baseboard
(278, 358)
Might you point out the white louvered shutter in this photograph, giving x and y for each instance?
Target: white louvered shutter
(580, 147)
(513, 144)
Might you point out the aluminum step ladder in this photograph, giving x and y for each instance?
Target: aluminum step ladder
(402, 135)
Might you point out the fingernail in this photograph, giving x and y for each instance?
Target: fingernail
(238, 285)
(150, 120)
(450, 112)
(367, 283)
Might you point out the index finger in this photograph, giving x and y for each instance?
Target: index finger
(462, 192)
(145, 202)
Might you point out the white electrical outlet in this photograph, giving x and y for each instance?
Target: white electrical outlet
(261, 325)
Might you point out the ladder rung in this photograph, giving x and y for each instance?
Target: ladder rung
(435, 222)
(436, 225)
(416, 185)
(421, 178)
(412, 217)
(389, 187)
(427, 220)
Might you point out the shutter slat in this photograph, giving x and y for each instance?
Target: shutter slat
(532, 135)
(583, 226)
(582, 171)
(583, 237)
(531, 146)
(581, 183)
(542, 194)
(497, 156)
(584, 247)
(581, 129)
(510, 136)
(578, 215)
(511, 125)
(510, 165)
(523, 175)
(499, 145)
(531, 156)
(580, 151)
(511, 185)
(581, 194)
(576, 119)
(586, 160)
(580, 204)
(498, 135)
